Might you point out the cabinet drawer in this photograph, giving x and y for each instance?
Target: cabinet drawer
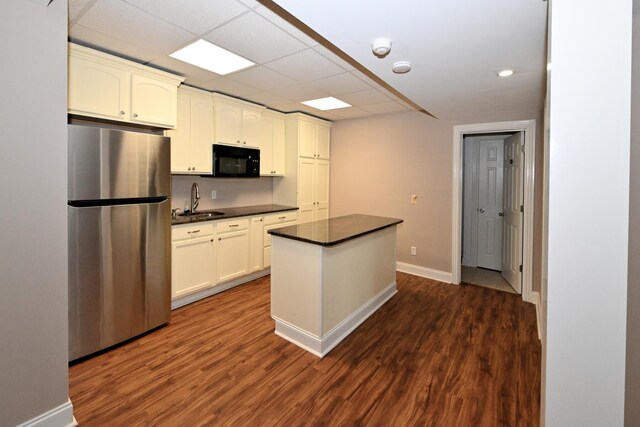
(280, 217)
(232, 225)
(191, 231)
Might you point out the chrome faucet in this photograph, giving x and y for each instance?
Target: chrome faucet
(195, 197)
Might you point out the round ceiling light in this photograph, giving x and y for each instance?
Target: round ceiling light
(401, 67)
(505, 73)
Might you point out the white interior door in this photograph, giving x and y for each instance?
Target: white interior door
(490, 176)
(512, 222)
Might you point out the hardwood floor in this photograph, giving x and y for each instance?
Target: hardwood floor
(434, 355)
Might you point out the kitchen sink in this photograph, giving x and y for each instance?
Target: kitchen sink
(207, 214)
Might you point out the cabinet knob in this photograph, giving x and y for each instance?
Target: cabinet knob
(122, 112)
(238, 141)
(244, 142)
(135, 114)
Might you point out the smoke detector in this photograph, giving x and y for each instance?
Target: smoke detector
(381, 47)
(401, 67)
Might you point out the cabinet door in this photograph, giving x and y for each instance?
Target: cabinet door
(306, 189)
(192, 266)
(251, 128)
(201, 124)
(228, 123)
(153, 102)
(323, 142)
(98, 90)
(278, 147)
(257, 244)
(321, 190)
(232, 255)
(181, 137)
(306, 139)
(266, 145)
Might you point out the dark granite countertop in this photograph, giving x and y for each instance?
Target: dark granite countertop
(333, 231)
(226, 213)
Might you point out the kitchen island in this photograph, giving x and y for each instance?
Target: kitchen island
(329, 276)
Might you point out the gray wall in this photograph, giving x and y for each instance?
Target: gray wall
(588, 213)
(230, 192)
(33, 240)
(377, 163)
(632, 381)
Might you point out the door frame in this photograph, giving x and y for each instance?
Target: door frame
(529, 129)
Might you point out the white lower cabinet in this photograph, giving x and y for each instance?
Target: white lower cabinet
(271, 221)
(213, 256)
(192, 259)
(256, 245)
(232, 249)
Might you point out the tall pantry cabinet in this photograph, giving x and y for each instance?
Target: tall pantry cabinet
(306, 180)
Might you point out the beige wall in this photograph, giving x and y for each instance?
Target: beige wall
(230, 192)
(632, 380)
(378, 163)
(33, 184)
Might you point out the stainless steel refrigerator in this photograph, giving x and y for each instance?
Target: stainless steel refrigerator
(119, 236)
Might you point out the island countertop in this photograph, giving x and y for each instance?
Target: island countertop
(333, 231)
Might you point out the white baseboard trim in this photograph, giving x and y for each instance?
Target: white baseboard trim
(59, 416)
(535, 296)
(320, 346)
(429, 273)
(188, 299)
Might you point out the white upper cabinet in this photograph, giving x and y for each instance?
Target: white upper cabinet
(108, 87)
(313, 139)
(272, 144)
(237, 122)
(191, 140)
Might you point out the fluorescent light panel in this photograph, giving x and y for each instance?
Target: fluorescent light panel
(324, 104)
(211, 57)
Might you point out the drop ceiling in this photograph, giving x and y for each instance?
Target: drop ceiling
(456, 48)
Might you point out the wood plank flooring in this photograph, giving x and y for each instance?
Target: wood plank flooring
(434, 355)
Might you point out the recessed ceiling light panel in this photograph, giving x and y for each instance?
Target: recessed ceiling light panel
(211, 57)
(324, 104)
(505, 73)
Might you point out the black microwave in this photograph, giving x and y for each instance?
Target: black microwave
(235, 162)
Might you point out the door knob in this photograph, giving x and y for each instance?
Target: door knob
(500, 213)
(481, 210)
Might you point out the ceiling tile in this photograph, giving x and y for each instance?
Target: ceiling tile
(305, 66)
(303, 92)
(194, 75)
(341, 83)
(255, 38)
(262, 78)
(94, 39)
(125, 22)
(249, 3)
(369, 96)
(75, 7)
(196, 16)
(383, 107)
(334, 58)
(227, 86)
(286, 26)
(350, 113)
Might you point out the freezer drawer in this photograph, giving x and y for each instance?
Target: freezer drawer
(119, 273)
(111, 164)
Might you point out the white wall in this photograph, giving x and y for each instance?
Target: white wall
(588, 213)
(230, 192)
(33, 236)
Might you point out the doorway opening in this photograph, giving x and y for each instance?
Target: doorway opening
(491, 217)
(522, 210)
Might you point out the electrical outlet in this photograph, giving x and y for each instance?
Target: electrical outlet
(414, 199)
(413, 250)
(213, 194)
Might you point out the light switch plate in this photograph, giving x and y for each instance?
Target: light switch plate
(414, 199)
(213, 194)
